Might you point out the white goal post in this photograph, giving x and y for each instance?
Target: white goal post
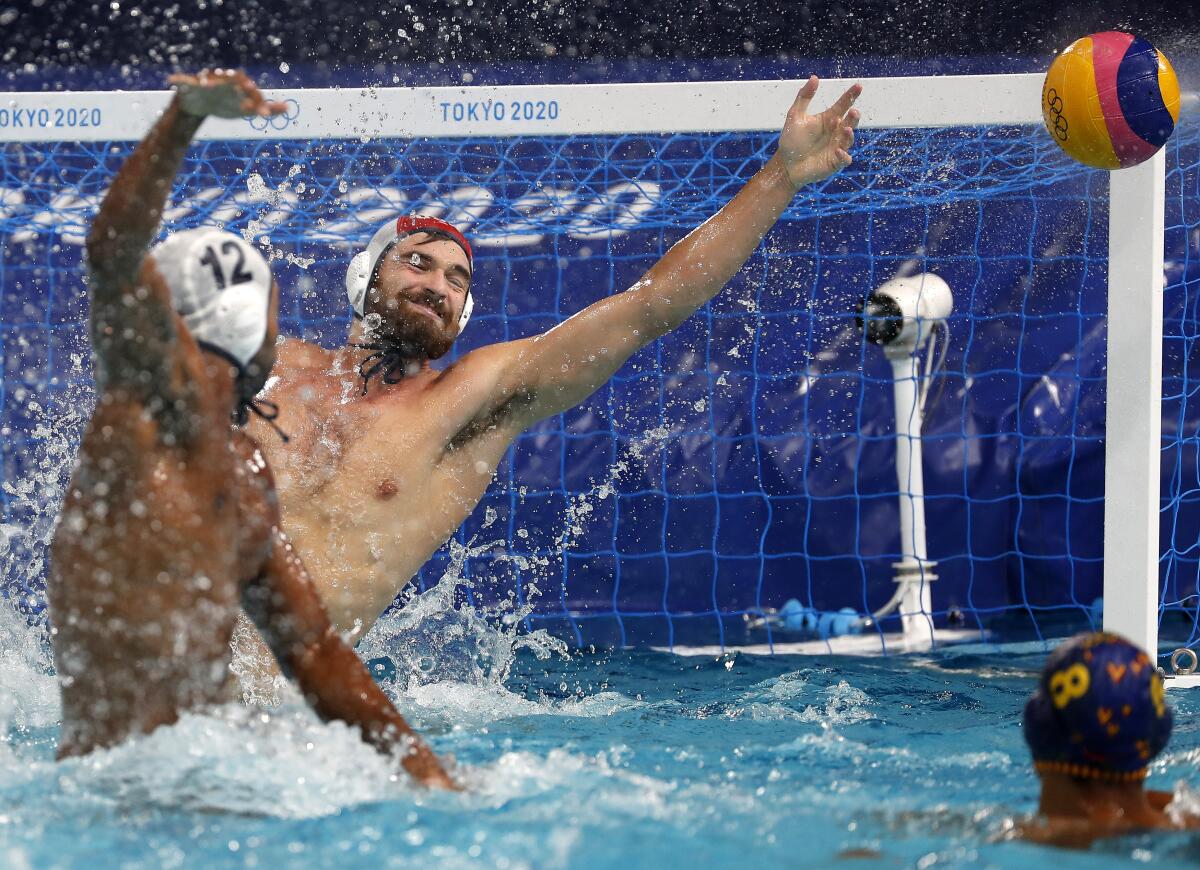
(1133, 424)
(1136, 223)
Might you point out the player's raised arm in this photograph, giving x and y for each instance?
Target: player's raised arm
(132, 318)
(285, 606)
(566, 364)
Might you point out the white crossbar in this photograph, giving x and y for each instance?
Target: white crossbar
(533, 110)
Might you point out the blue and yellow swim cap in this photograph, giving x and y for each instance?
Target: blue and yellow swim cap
(1099, 711)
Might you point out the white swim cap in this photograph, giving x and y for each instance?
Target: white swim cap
(221, 287)
(358, 275)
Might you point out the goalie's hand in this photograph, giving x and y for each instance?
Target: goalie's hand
(222, 93)
(813, 147)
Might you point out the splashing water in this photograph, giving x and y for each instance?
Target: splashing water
(583, 504)
(28, 690)
(37, 496)
(433, 640)
(235, 759)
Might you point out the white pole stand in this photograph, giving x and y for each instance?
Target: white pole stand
(914, 571)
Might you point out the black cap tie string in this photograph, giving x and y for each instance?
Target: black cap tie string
(263, 409)
(385, 360)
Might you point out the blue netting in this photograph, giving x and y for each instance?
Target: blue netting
(1180, 527)
(748, 457)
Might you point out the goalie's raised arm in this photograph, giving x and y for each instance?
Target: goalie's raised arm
(558, 369)
(814, 147)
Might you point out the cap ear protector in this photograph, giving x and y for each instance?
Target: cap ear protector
(362, 266)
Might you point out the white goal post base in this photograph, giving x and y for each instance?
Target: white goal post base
(848, 645)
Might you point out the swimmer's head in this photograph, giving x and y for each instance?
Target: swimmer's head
(415, 276)
(222, 289)
(1099, 711)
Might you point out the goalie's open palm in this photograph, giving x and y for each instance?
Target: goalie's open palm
(223, 94)
(813, 147)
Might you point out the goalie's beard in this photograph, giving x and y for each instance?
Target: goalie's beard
(411, 336)
(396, 353)
(399, 345)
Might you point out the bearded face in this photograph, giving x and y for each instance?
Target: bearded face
(418, 291)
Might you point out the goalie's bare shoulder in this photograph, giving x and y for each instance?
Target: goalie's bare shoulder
(486, 366)
(481, 397)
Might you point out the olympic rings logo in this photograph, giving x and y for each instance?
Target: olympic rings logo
(276, 122)
(1054, 107)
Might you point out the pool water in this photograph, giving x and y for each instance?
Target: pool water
(620, 759)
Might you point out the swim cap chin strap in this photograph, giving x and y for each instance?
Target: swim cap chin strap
(264, 409)
(362, 267)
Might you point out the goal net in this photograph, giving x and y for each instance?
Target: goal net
(749, 458)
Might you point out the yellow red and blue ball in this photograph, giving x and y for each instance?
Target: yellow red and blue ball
(1111, 100)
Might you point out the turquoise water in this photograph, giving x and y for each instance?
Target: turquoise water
(613, 759)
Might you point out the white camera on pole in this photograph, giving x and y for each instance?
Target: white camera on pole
(904, 316)
(904, 312)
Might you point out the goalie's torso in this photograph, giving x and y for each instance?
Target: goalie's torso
(371, 486)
